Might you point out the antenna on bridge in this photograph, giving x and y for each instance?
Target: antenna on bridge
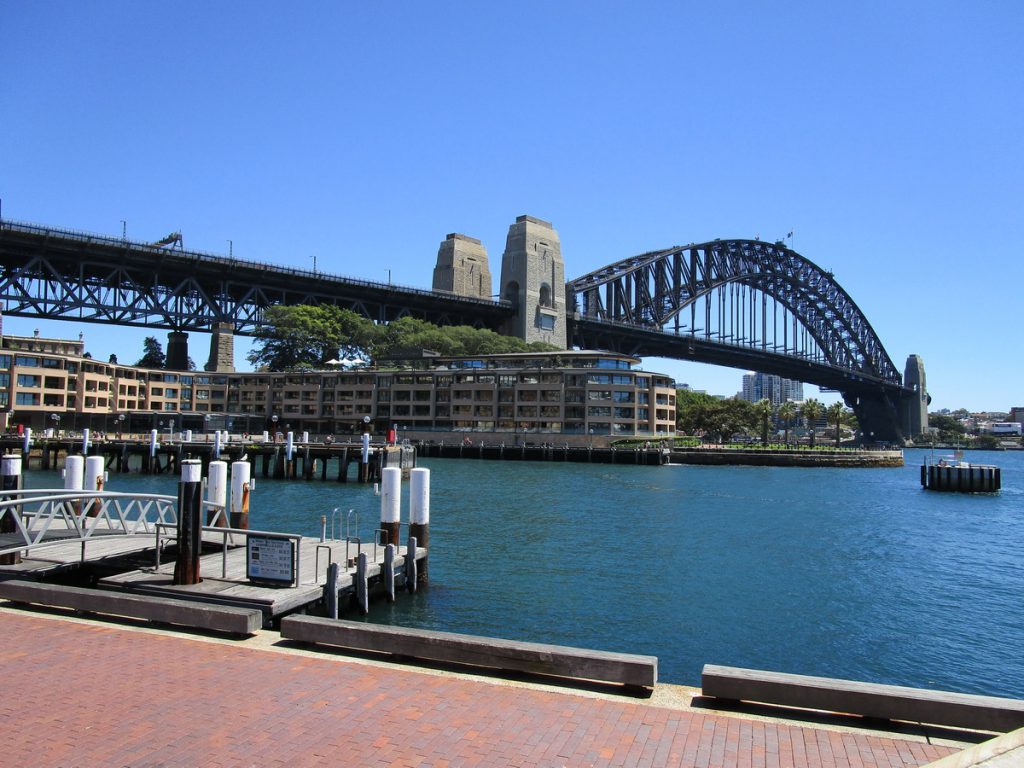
(789, 236)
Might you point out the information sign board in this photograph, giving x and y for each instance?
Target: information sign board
(270, 559)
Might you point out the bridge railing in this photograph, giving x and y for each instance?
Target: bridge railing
(36, 518)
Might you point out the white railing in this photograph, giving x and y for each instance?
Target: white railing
(36, 518)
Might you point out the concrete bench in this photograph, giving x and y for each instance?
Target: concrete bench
(220, 618)
(630, 670)
(887, 702)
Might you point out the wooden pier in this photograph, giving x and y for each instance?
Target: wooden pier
(650, 457)
(340, 462)
(127, 564)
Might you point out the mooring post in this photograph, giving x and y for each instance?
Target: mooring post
(419, 512)
(364, 459)
(362, 587)
(26, 444)
(10, 472)
(150, 467)
(86, 443)
(74, 471)
(390, 505)
(217, 493)
(93, 481)
(331, 590)
(410, 564)
(343, 466)
(216, 444)
(190, 503)
(240, 486)
(389, 572)
(289, 454)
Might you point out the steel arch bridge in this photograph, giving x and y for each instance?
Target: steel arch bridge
(745, 304)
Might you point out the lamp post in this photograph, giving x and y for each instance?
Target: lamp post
(273, 421)
(56, 424)
(170, 430)
(120, 425)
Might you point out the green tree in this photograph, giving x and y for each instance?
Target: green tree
(812, 410)
(152, 354)
(787, 412)
(304, 337)
(763, 410)
(836, 413)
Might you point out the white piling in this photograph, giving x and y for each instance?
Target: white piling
(419, 511)
(26, 443)
(305, 437)
(74, 473)
(217, 492)
(85, 442)
(289, 446)
(152, 443)
(10, 469)
(240, 487)
(216, 446)
(390, 504)
(187, 436)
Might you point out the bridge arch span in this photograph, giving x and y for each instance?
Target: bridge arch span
(742, 293)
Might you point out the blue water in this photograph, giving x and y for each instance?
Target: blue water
(853, 573)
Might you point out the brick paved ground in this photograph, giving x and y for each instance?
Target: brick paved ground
(83, 694)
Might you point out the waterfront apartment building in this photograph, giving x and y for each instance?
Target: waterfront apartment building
(48, 383)
(764, 386)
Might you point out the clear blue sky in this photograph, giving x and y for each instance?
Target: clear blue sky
(887, 135)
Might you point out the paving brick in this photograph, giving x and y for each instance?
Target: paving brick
(93, 694)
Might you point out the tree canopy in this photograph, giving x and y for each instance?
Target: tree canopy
(152, 354)
(308, 337)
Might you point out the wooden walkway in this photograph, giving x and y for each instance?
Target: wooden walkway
(224, 578)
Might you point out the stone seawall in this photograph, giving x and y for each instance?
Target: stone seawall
(784, 458)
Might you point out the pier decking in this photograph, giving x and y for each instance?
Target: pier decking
(224, 578)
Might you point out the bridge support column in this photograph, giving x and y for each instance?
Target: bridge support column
(878, 419)
(222, 348)
(177, 351)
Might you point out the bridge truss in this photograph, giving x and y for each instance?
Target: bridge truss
(61, 274)
(739, 301)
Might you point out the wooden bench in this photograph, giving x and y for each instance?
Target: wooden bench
(887, 702)
(629, 670)
(220, 618)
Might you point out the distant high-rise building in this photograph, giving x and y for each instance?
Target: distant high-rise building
(765, 386)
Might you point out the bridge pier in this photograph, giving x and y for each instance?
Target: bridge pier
(222, 348)
(177, 351)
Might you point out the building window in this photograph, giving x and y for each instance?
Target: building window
(27, 380)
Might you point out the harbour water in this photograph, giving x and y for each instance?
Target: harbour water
(852, 573)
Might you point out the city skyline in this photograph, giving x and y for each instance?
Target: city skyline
(884, 138)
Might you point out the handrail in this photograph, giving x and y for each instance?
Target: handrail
(297, 538)
(83, 515)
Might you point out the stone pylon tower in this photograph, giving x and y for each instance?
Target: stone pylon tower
(914, 408)
(462, 267)
(533, 279)
(222, 348)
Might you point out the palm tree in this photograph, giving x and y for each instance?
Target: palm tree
(787, 412)
(763, 409)
(811, 410)
(836, 411)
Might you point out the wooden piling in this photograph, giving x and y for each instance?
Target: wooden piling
(419, 511)
(10, 480)
(390, 505)
(186, 566)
